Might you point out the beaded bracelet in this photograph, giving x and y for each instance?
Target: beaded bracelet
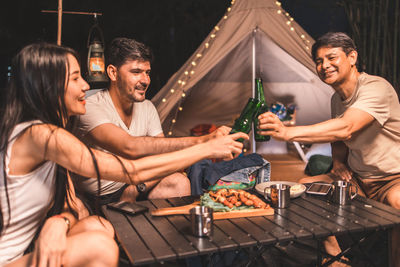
(67, 221)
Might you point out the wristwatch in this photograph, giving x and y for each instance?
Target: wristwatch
(141, 188)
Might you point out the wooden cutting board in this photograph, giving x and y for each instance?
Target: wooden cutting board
(217, 215)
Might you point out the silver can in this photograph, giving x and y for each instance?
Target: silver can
(202, 221)
(279, 195)
(342, 192)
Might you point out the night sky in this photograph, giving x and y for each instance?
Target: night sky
(173, 28)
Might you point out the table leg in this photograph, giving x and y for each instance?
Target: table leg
(390, 236)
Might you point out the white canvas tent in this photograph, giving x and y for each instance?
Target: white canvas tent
(255, 38)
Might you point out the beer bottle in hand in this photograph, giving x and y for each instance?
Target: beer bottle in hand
(243, 123)
(263, 108)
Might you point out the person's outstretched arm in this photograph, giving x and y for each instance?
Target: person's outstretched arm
(47, 142)
(332, 130)
(118, 141)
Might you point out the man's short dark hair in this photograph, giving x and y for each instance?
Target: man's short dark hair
(334, 39)
(123, 49)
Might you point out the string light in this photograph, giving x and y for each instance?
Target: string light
(194, 63)
(207, 44)
(292, 28)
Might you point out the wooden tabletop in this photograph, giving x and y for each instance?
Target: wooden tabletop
(147, 239)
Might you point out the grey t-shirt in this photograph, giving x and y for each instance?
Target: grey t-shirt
(374, 151)
(100, 110)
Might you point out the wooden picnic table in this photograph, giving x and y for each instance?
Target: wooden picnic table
(147, 239)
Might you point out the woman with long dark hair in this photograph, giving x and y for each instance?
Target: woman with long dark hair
(45, 91)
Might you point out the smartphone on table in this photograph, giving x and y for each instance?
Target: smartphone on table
(319, 189)
(127, 207)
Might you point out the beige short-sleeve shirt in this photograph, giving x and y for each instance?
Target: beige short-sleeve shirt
(374, 151)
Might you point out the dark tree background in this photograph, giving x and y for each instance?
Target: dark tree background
(375, 27)
(173, 28)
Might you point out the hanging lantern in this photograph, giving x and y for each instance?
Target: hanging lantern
(95, 61)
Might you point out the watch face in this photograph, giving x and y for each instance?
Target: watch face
(141, 187)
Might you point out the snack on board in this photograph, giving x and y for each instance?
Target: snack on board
(233, 185)
(231, 200)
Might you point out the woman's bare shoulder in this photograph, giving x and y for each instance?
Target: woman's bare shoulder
(41, 136)
(29, 149)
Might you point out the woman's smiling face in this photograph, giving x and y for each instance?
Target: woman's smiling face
(75, 90)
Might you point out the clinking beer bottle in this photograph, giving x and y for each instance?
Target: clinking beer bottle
(263, 108)
(243, 123)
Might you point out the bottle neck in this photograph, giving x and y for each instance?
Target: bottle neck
(260, 90)
(250, 109)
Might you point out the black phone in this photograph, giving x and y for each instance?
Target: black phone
(319, 189)
(127, 207)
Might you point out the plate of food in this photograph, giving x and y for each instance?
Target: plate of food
(296, 189)
(226, 204)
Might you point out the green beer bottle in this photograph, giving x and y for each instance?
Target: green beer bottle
(263, 108)
(243, 123)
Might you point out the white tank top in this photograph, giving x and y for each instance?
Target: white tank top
(30, 198)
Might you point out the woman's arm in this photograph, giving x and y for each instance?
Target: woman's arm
(47, 142)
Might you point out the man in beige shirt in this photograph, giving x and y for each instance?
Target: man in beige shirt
(364, 130)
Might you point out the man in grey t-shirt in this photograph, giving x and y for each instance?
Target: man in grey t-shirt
(121, 121)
